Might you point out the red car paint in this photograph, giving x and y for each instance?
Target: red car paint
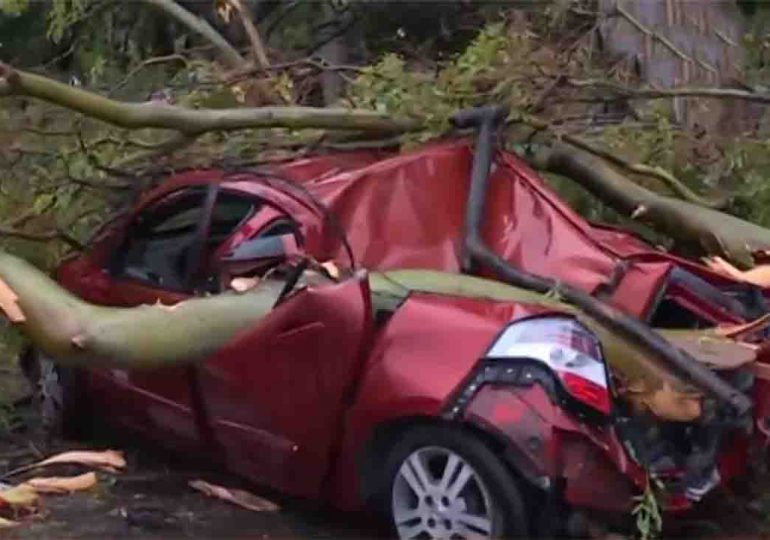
(293, 402)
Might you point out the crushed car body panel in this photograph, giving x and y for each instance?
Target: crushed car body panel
(399, 346)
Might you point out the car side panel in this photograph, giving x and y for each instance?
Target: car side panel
(277, 394)
(156, 403)
(425, 352)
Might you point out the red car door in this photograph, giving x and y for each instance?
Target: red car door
(277, 395)
(157, 261)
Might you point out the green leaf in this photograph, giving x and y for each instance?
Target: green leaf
(13, 7)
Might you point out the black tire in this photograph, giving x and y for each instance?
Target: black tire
(510, 518)
(61, 400)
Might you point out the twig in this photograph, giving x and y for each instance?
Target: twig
(43, 132)
(145, 64)
(684, 91)
(10, 232)
(201, 27)
(620, 10)
(257, 47)
(724, 37)
(537, 105)
(24, 217)
(164, 148)
(314, 63)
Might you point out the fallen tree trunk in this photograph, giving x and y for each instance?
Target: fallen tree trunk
(80, 334)
(193, 122)
(705, 230)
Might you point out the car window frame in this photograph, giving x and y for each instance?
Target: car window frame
(211, 193)
(115, 266)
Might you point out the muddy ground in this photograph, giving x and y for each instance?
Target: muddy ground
(152, 499)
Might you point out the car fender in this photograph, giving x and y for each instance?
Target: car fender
(421, 356)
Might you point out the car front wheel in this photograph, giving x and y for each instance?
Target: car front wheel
(445, 483)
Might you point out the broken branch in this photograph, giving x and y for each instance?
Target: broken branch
(202, 28)
(257, 47)
(706, 230)
(193, 122)
(676, 185)
(76, 333)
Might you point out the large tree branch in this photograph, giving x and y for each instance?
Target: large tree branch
(192, 122)
(706, 230)
(673, 183)
(202, 28)
(77, 333)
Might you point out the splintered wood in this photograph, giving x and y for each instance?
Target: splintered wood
(9, 303)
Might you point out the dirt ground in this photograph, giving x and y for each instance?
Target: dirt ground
(152, 499)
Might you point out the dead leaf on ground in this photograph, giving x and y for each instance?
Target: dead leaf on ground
(106, 460)
(8, 524)
(111, 460)
(63, 484)
(21, 496)
(236, 496)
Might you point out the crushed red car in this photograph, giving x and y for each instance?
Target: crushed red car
(427, 389)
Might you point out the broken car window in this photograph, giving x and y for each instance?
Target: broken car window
(160, 239)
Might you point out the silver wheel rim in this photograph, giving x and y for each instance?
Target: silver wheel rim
(51, 394)
(437, 494)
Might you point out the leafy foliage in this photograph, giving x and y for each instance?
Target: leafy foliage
(471, 78)
(13, 7)
(649, 519)
(63, 15)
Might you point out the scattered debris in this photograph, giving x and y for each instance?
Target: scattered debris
(107, 460)
(236, 496)
(8, 524)
(738, 331)
(22, 496)
(332, 269)
(63, 485)
(665, 402)
(243, 284)
(17, 503)
(9, 303)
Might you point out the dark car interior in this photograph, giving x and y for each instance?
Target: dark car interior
(742, 301)
(158, 244)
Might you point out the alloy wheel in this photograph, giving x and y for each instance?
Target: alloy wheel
(438, 494)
